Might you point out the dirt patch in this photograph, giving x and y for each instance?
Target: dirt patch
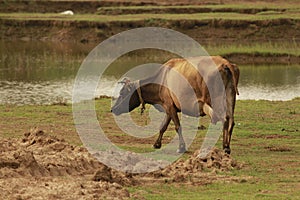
(97, 31)
(43, 166)
(179, 10)
(278, 148)
(270, 136)
(195, 170)
(39, 165)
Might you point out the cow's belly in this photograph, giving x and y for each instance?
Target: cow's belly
(183, 95)
(188, 104)
(194, 109)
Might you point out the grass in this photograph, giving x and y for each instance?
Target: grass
(138, 17)
(266, 139)
(262, 48)
(256, 7)
(224, 191)
(57, 120)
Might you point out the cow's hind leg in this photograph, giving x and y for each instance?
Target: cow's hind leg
(162, 130)
(227, 132)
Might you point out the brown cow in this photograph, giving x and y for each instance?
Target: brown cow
(168, 90)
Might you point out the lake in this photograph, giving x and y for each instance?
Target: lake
(43, 73)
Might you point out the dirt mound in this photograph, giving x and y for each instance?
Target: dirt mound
(51, 168)
(38, 154)
(198, 170)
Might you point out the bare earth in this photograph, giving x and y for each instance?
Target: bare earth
(40, 166)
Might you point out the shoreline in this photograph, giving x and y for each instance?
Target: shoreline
(66, 29)
(54, 27)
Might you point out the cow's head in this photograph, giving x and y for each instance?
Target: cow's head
(128, 98)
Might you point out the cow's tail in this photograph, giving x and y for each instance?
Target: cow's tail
(235, 76)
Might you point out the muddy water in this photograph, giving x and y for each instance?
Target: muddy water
(44, 73)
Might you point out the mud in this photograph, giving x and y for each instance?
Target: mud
(39, 165)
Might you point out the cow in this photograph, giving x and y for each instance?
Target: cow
(199, 71)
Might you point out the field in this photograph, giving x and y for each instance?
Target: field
(42, 156)
(265, 145)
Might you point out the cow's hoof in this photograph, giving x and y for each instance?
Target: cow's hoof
(181, 150)
(157, 146)
(227, 150)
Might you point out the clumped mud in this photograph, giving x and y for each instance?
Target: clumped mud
(43, 166)
(196, 170)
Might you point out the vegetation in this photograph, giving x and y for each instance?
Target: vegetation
(279, 47)
(134, 17)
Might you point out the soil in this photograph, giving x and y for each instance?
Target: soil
(39, 165)
(200, 30)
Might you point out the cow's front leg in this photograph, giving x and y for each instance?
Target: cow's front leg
(163, 128)
(176, 121)
(181, 148)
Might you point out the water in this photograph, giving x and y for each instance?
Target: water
(44, 73)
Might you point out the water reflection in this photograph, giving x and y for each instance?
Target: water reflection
(272, 82)
(30, 93)
(44, 73)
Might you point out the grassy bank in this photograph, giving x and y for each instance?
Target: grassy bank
(292, 15)
(266, 140)
(230, 20)
(241, 38)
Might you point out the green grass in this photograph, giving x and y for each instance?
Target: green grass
(138, 17)
(57, 120)
(262, 48)
(274, 174)
(248, 190)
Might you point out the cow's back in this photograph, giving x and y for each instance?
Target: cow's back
(195, 71)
